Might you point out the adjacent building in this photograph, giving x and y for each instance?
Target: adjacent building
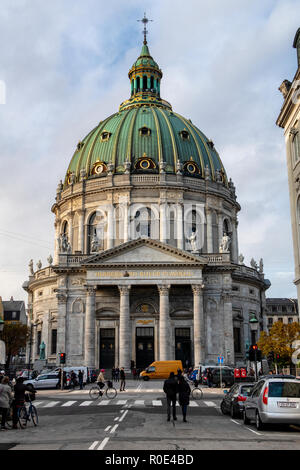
(289, 120)
(284, 310)
(146, 264)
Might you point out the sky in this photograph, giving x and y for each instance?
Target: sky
(65, 67)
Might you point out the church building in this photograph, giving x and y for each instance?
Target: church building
(146, 264)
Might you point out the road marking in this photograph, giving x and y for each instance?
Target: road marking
(69, 403)
(255, 432)
(103, 443)
(121, 402)
(107, 429)
(104, 402)
(92, 447)
(114, 428)
(210, 403)
(86, 403)
(116, 419)
(193, 403)
(52, 403)
(138, 388)
(156, 403)
(123, 416)
(235, 422)
(139, 402)
(38, 403)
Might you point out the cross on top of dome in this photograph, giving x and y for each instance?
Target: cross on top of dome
(145, 20)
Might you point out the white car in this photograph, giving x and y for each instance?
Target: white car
(273, 400)
(50, 380)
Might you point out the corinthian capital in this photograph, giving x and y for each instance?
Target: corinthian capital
(163, 289)
(124, 290)
(197, 289)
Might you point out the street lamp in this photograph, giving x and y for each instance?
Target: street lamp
(254, 327)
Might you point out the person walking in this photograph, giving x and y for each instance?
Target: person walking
(80, 379)
(209, 377)
(113, 374)
(117, 374)
(122, 378)
(73, 379)
(171, 388)
(183, 395)
(6, 397)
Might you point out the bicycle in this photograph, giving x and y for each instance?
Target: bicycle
(25, 415)
(197, 392)
(96, 392)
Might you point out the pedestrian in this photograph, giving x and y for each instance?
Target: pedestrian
(134, 372)
(80, 379)
(73, 379)
(19, 398)
(117, 374)
(101, 380)
(2, 374)
(6, 398)
(209, 377)
(183, 396)
(113, 374)
(171, 388)
(122, 378)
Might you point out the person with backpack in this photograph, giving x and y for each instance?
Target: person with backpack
(122, 380)
(184, 396)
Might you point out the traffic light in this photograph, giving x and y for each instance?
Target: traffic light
(254, 353)
(277, 357)
(62, 357)
(271, 356)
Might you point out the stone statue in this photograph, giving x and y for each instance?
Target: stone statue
(261, 266)
(39, 264)
(225, 243)
(253, 264)
(162, 167)
(218, 176)
(127, 166)
(82, 174)
(42, 350)
(241, 259)
(94, 243)
(207, 173)
(110, 168)
(64, 245)
(31, 272)
(179, 167)
(50, 260)
(192, 239)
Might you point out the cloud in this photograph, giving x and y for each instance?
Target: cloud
(65, 66)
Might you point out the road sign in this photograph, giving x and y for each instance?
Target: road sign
(220, 359)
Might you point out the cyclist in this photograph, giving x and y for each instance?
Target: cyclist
(101, 380)
(5, 400)
(19, 398)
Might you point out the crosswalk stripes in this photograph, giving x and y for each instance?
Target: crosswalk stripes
(137, 403)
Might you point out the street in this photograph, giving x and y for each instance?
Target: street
(136, 420)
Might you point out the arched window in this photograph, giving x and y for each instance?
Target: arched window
(144, 83)
(96, 232)
(143, 222)
(295, 145)
(65, 228)
(152, 84)
(172, 229)
(138, 86)
(194, 231)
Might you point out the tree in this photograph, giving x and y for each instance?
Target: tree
(15, 336)
(280, 341)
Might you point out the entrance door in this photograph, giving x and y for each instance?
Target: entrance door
(183, 346)
(107, 348)
(144, 347)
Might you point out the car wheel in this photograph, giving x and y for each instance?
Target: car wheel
(245, 419)
(258, 422)
(223, 408)
(233, 412)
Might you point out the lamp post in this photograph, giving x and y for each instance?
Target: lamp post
(254, 327)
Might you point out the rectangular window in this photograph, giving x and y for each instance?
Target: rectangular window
(149, 332)
(270, 321)
(53, 341)
(284, 390)
(182, 332)
(237, 340)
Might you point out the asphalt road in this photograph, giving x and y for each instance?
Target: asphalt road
(136, 420)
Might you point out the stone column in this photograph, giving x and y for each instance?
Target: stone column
(124, 329)
(61, 325)
(90, 328)
(56, 245)
(234, 242)
(179, 222)
(163, 222)
(220, 225)
(199, 335)
(126, 222)
(81, 230)
(209, 231)
(70, 234)
(228, 328)
(110, 226)
(164, 324)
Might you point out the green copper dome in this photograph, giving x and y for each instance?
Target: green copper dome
(145, 136)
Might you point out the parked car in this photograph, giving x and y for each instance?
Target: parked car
(199, 371)
(233, 401)
(274, 399)
(227, 376)
(50, 380)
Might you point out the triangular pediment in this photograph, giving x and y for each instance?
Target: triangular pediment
(144, 251)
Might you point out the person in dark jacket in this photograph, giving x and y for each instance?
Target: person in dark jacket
(80, 379)
(170, 389)
(184, 395)
(209, 377)
(122, 380)
(19, 398)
